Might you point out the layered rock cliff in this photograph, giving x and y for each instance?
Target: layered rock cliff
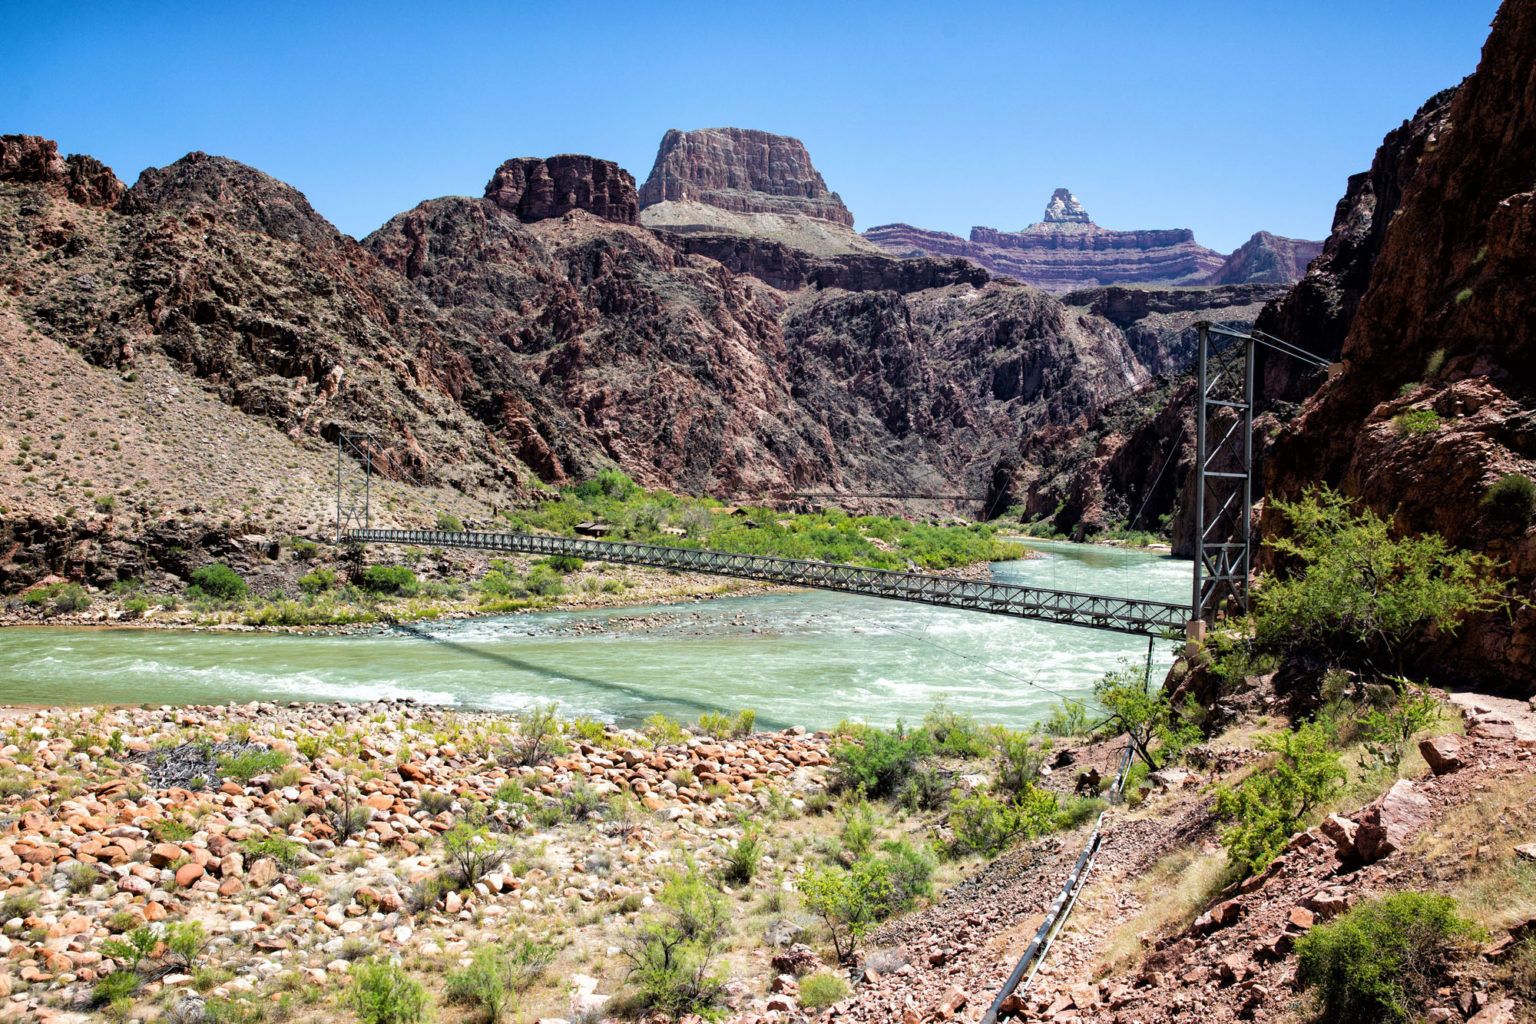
(1446, 327)
(1066, 250)
(741, 170)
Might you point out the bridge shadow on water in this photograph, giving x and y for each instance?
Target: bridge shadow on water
(608, 685)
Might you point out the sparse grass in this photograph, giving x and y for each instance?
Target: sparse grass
(1175, 892)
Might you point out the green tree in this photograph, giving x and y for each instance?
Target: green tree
(1353, 589)
(220, 582)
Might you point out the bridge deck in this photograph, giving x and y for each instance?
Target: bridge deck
(1120, 614)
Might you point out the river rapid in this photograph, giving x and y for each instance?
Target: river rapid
(799, 658)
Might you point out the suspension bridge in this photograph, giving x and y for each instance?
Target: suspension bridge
(1223, 542)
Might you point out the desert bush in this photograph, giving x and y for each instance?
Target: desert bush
(877, 762)
(926, 789)
(1269, 805)
(1354, 589)
(495, 976)
(219, 582)
(1379, 960)
(71, 597)
(1019, 761)
(545, 582)
(1067, 718)
(248, 764)
(860, 827)
(743, 857)
(562, 564)
(821, 990)
(955, 734)
(382, 993)
(848, 902)
(1417, 421)
(389, 580)
(663, 731)
(982, 823)
(1512, 498)
(673, 955)
(318, 581)
(447, 522)
(1386, 731)
(285, 851)
(538, 737)
(472, 852)
(116, 989)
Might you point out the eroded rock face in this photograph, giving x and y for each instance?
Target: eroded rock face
(1067, 250)
(743, 171)
(533, 189)
(83, 179)
(1448, 322)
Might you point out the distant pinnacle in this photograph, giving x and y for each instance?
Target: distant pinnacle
(1065, 209)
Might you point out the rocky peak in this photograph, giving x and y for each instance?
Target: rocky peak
(1065, 209)
(228, 192)
(743, 171)
(533, 189)
(84, 179)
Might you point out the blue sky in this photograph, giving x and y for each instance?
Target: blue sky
(1223, 117)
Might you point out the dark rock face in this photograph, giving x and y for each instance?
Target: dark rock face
(741, 170)
(1447, 322)
(83, 179)
(218, 190)
(1160, 323)
(790, 269)
(532, 189)
(1317, 312)
(1066, 250)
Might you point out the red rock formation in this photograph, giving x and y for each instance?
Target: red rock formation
(1448, 322)
(741, 170)
(532, 189)
(1267, 258)
(83, 179)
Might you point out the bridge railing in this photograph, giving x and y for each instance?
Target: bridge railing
(1120, 614)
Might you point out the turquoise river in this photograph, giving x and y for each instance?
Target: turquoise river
(806, 657)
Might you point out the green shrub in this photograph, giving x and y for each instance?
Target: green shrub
(1068, 718)
(860, 827)
(537, 738)
(981, 823)
(496, 974)
(744, 856)
(663, 731)
(304, 550)
(1379, 960)
(116, 988)
(878, 762)
(821, 990)
(926, 789)
(1019, 762)
(1417, 421)
(1386, 731)
(955, 734)
(248, 764)
(287, 852)
(1355, 590)
(318, 581)
(71, 597)
(673, 955)
(715, 723)
(449, 523)
(910, 870)
(849, 902)
(562, 564)
(394, 580)
(1268, 806)
(135, 606)
(219, 582)
(132, 949)
(1512, 498)
(382, 993)
(545, 582)
(473, 852)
